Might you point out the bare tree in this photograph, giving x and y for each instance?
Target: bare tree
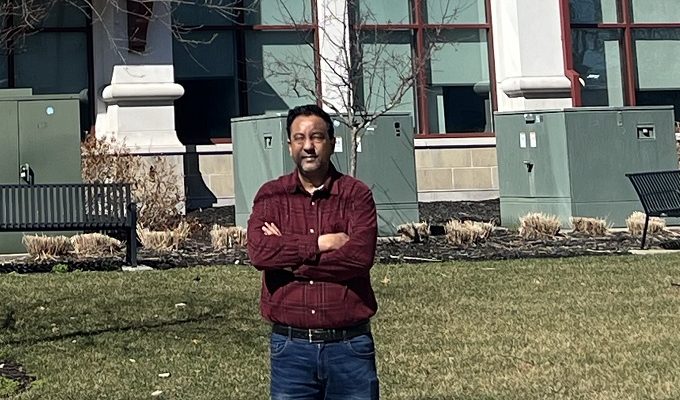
(20, 18)
(368, 72)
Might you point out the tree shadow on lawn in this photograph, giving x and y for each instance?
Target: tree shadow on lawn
(248, 337)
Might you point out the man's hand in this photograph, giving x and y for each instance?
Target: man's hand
(270, 229)
(332, 241)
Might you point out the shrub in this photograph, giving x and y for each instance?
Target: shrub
(468, 232)
(95, 244)
(538, 226)
(415, 232)
(590, 226)
(223, 238)
(43, 247)
(155, 184)
(636, 224)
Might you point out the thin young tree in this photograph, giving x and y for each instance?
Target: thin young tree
(364, 74)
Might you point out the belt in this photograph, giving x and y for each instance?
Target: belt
(322, 335)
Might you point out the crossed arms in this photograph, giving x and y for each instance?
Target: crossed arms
(332, 257)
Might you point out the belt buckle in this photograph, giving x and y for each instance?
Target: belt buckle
(311, 333)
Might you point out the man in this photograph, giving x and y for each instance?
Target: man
(313, 233)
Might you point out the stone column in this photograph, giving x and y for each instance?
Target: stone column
(530, 71)
(140, 108)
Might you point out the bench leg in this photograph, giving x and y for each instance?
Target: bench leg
(131, 253)
(644, 232)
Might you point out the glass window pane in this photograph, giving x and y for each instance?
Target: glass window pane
(280, 71)
(278, 12)
(598, 59)
(593, 11)
(204, 54)
(62, 14)
(384, 12)
(387, 69)
(205, 65)
(458, 94)
(656, 11)
(52, 62)
(657, 52)
(455, 12)
(204, 12)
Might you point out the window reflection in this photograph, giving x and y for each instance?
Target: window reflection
(597, 58)
(593, 11)
(657, 52)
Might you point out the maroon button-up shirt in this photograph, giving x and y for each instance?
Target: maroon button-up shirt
(302, 287)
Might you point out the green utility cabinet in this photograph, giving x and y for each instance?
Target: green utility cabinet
(386, 163)
(573, 162)
(40, 133)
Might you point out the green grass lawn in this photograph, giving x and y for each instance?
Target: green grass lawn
(580, 328)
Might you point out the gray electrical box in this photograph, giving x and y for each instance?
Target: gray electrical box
(386, 163)
(573, 162)
(39, 140)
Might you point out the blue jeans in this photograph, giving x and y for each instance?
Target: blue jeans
(343, 370)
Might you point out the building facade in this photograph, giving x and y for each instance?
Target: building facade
(168, 76)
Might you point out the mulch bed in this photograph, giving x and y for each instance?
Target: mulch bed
(503, 244)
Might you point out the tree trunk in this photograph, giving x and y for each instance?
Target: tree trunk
(353, 154)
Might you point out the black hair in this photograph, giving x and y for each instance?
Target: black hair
(310, 109)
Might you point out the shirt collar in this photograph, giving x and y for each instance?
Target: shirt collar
(293, 181)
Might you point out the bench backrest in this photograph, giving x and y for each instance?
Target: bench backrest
(659, 191)
(64, 206)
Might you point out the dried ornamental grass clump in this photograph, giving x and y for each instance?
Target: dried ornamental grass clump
(43, 247)
(414, 232)
(538, 226)
(156, 241)
(223, 237)
(180, 234)
(95, 244)
(468, 232)
(164, 241)
(590, 226)
(636, 224)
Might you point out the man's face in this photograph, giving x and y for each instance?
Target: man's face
(310, 146)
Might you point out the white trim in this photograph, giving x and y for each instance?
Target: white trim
(419, 144)
(215, 148)
(457, 195)
(142, 93)
(537, 86)
(426, 143)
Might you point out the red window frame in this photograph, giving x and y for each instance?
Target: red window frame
(626, 26)
(419, 27)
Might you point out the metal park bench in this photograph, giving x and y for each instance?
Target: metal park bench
(659, 193)
(70, 207)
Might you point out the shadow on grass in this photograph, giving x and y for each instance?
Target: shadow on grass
(246, 336)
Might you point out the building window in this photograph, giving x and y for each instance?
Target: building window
(624, 52)
(237, 65)
(51, 57)
(451, 92)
